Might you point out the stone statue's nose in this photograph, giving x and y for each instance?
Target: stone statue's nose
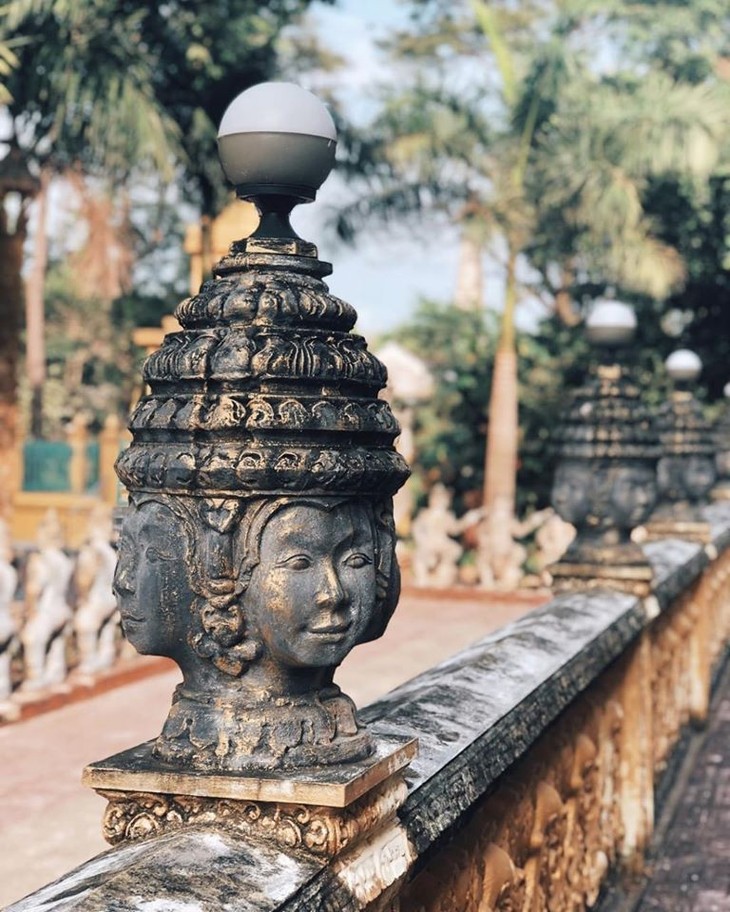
(330, 593)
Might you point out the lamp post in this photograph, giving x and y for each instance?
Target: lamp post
(721, 491)
(605, 481)
(686, 470)
(259, 546)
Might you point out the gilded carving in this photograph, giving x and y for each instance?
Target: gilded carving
(316, 830)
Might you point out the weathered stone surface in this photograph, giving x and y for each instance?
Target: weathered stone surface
(676, 562)
(478, 712)
(189, 871)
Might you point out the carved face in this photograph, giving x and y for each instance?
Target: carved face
(633, 494)
(699, 476)
(312, 595)
(150, 581)
(571, 491)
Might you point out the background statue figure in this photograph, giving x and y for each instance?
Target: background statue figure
(500, 556)
(48, 614)
(96, 618)
(8, 631)
(552, 540)
(436, 553)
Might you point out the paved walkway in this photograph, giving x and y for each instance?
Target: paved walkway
(49, 823)
(692, 868)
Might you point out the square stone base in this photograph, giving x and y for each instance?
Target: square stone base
(337, 786)
(690, 529)
(569, 576)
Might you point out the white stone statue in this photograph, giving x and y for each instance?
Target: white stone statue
(500, 555)
(409, 383)
(96, 620)
(552, 540)
(48, 613)
(436, 553)
(8, 631)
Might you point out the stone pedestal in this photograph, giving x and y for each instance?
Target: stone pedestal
(320, 810)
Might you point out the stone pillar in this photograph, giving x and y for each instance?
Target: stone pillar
(605, 482)
(259, 546)
(686, 471)
(239, 218)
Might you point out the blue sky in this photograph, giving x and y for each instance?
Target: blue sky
(384, 276)
(389, 270)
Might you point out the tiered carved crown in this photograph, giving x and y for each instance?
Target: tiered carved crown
(607, 419)
(265, 391)
(683, 428)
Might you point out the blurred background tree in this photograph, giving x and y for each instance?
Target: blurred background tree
(565, 138)
(573, 145)
(112, 101)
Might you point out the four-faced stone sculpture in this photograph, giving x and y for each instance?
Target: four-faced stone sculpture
(686, 470)
(605, 481)
(259, 547)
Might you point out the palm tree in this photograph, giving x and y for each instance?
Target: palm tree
(554, 164)
(78, 96)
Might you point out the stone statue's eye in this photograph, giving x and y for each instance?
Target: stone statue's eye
(357, 560)
(296, 562)
(154, 555)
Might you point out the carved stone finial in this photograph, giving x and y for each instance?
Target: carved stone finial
(258, 548)
(686, 470)
(605, 482)
(721, 491)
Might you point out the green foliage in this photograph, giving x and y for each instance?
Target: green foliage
(117, 85)
(458, 348)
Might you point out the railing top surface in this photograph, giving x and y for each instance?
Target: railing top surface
(474, 714)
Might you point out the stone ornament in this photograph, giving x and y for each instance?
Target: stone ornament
(316, 830)
(686, 470)
(721, 491)
(259, 547)
(96, 619)
(49, 614)
(8, 629)
(605, 482)
(436, 552)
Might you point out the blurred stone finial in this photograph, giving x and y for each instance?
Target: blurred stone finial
(686, 470)
(721, 491)
(605, 482)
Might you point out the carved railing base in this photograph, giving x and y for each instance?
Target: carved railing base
(597, 564)
(721, 491)
(139, 771)
(574, 576)
(690, 526)
(318, 830)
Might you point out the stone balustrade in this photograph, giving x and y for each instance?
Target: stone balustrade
(541, 750)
